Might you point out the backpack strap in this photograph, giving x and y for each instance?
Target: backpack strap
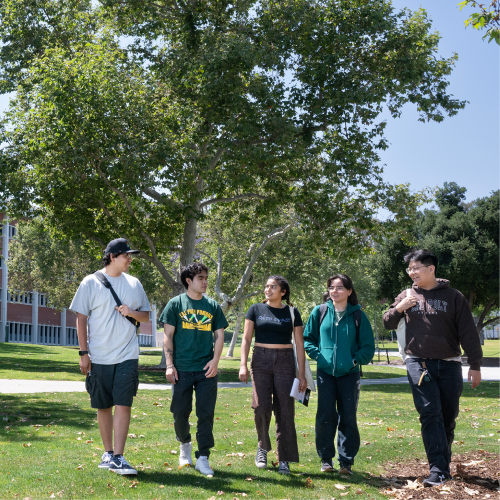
(357, 322)
(100, 276)
(322, 312)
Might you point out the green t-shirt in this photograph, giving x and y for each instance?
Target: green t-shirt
(194, 321)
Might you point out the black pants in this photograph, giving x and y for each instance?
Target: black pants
(437, 403)
(273, 372)
(182, 405)
(337, 406)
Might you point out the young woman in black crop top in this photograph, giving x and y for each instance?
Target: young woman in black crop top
(273, 370)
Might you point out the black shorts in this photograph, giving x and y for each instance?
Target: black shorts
(110, 385)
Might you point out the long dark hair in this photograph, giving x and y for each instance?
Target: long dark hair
(283, 283)
(347, 282)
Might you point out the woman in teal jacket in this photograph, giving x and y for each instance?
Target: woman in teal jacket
(330, 339)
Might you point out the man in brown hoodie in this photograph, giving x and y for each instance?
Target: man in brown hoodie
(438, 322)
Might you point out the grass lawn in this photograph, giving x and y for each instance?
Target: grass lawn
(38, 362)
(50, 447)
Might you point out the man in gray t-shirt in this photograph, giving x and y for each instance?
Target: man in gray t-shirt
(109, 354)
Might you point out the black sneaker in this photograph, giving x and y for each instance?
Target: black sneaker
(105, 459)
(119, 465)
(261, 458)
(327, 465)
(345, 469)
(436, 479)
(283, 468)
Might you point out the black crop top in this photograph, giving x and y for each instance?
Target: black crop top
(272, 325)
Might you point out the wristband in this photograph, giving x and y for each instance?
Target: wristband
(170, 366)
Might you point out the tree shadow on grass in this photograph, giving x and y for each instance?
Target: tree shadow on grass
(225, 480)
(23, 411)
(487, 389)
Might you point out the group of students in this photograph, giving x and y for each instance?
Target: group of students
(337, 335)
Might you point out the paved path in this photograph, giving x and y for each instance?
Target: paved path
(12, 386)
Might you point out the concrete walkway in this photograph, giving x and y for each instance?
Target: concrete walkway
(13, 386)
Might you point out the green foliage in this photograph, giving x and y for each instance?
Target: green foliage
(487, 18)
(42, 260)
(211, 103)
(465, 242)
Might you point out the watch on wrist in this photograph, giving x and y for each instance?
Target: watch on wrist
(355, 362)
(82, 353)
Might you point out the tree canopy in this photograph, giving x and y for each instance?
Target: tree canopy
(465, 240)
(139, 118)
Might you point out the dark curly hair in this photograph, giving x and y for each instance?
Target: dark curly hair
(191, 270)
(107, 258)
(283, 283)
(347, 282)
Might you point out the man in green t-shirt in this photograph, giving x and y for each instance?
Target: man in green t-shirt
(191, 323)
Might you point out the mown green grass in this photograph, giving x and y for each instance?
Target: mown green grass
(60, 456)
(38, 362)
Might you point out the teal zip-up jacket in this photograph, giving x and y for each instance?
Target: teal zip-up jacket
(334, 346)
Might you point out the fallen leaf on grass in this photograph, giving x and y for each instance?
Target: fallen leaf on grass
(229, 464)
(474, 462)
(413, 485)
(235, 455)
(470, 491)
(174, 452)
(162, 486)
(340, 486)
(52, 496)
(344, 494)
(89, 441)
(309, 483)
(26, 445)
(250, 478)
(132, 436)
(241, 442)
(182, 466)
(390, 429)
(275, 464)
(211, 498)
(157, 404)
(220, 493)
(359, 492)
(134, 484)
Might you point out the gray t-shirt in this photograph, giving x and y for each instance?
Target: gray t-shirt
(111, 337)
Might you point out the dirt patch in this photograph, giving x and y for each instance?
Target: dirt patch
(475, 475)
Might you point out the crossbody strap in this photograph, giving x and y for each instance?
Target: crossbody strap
(100, 276)
(292, 315)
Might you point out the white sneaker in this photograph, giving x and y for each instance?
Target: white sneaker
(203, 466)
(185, 455)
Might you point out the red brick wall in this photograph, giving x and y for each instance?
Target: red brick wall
(48, 316)
(19, 313)
(70, 319)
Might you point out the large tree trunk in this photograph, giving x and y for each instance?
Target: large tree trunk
(236, 332)
(186, 257)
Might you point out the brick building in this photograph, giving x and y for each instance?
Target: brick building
(26, 318)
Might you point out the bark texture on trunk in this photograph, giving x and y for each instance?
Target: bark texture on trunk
(236, 333)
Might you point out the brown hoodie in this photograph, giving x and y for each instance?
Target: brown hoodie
(438, 324)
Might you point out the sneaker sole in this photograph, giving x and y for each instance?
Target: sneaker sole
(283, 472)
(103, 466)
(429, 485)
(124, 472)
(330, 469)
(260, 465)
(183, 464)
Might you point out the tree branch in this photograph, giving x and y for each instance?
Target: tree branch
(233, 198)
(206, 255)
(490, 321)
(216, 158)
(277, 233)
(160, 198)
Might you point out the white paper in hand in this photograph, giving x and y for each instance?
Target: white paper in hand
(301, 397)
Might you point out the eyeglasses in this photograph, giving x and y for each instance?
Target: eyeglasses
(414, 269)
(272, 287)
(338, 288)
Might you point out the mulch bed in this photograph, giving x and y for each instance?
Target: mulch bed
(475, 475)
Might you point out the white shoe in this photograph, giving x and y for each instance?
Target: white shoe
(203, 466)
(185, 455)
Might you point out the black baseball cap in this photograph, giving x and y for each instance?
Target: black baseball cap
(120, 245)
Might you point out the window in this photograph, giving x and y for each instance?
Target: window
(17, 297)
(12, 231)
